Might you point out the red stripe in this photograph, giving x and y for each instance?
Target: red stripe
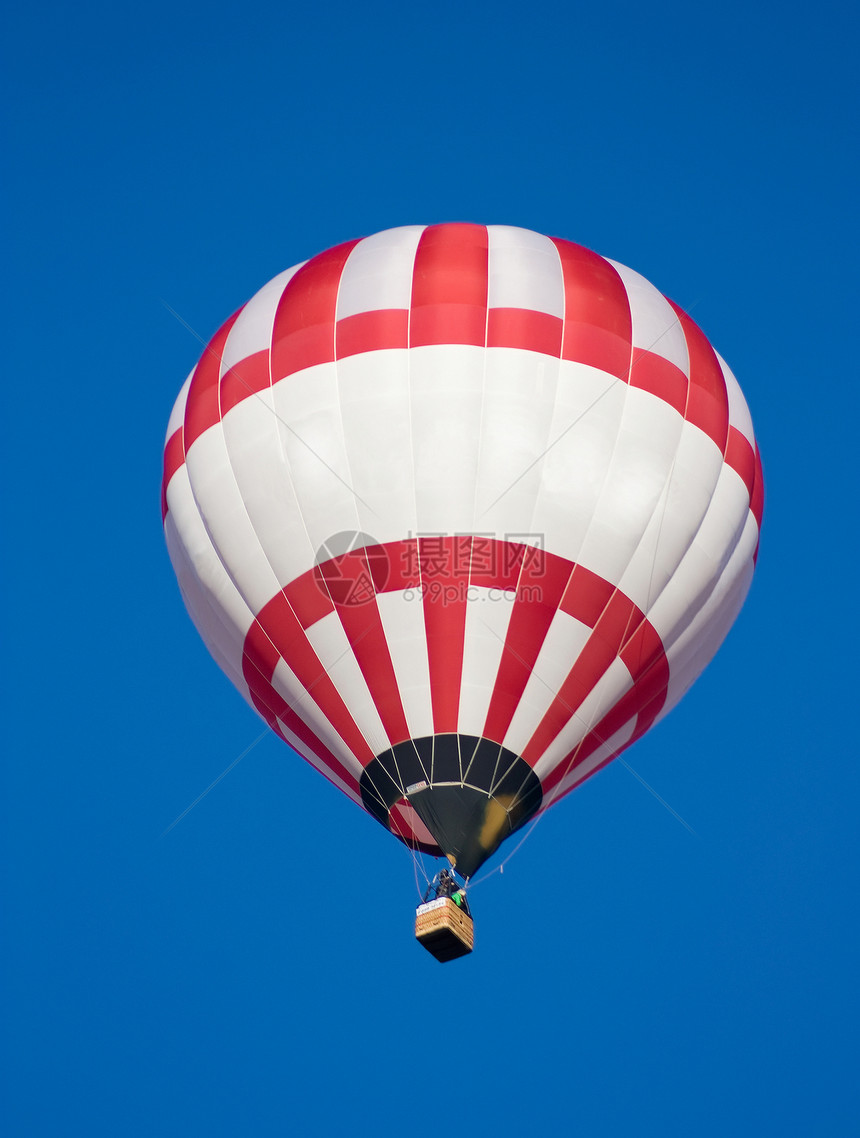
(363, 628)
(658, 376)
(495, 564)
(174, 457)
(202, 409)
(445, 582)
(359, 616)
(704, 401)
(643, 651)
(401, 829)
(611, 626)
(645, 719)
(372, 331)
(449, 286)
(592, 662)
(273, 707)
(586, 596)
(740, 456)
(757, 500)
(303, 332)
(308, 601)
(598, 327)
(448, 566)
(449, 305)
(524, 328)
(707, 397)
(620, 631)
(277, 634)
(244, 379)
(644, 700)
(404, 569)
(542, 582)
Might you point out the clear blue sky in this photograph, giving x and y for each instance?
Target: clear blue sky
(235, 977)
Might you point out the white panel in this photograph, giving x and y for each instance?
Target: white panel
(185, 532)
(177, 415)
(226, 519)
(375, 404)
(402, 616)
(311, 435)
(699, 648)
(212, 630)
(524, 271)
(329, 641)
(585, 424)
(704, 561)
(447, 386)
(739, 413)
(656, 328)
(677, 516)
(290, 688)
(223, 641)
(488, 614)
(262, 474)
(252, 331)
(646, 443)
(727, 515)
(692, 649)
(580, 773)
(652, 564)
(378, 272)
(519, 401)
(564, 641)
(612, 685)
(679, 511)
(306, 753)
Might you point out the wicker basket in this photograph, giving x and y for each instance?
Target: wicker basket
(444, 929)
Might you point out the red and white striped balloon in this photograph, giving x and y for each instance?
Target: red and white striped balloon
(459, 488)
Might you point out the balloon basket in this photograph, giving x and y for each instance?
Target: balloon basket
(444, 929)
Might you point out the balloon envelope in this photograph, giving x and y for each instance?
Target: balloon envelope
(461, 511)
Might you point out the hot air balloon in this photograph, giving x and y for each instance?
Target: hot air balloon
(462, 511)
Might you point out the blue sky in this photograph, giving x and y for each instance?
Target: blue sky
(243, 974)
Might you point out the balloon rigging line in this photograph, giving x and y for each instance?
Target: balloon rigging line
(258, 395)
(501, 866)
(417, 864)
(587, 724)
(651, 790)
(589, 729)
(293, 707)
(213, 784)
